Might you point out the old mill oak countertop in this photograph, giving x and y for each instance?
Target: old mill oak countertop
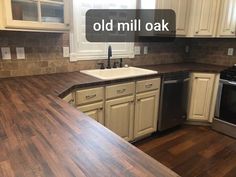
(41, 135)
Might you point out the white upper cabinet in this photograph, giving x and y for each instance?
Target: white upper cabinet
(227, 22)
(204, 17)
(181, 8)
(48, 15)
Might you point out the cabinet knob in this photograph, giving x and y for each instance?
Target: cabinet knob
(232, 32)
(197, 32)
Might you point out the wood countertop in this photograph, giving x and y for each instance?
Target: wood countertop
(41, 135)
(191, 67)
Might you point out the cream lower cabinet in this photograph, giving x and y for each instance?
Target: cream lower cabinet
(202, 97)
(120, 106)
(119, 116)
(91, 102)
(94, 110)
(146, 109)
(70, 99)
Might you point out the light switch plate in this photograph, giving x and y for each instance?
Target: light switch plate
(137, 50)
(230, 51)
(20, 53)
(6, 53)
(66, 52)
(186, 49)
(145, 50)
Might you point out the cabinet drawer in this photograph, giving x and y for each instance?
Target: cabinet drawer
(89, 95)
(119, 90)
(69, 98)
(147, 85)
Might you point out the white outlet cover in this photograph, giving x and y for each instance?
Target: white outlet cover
(145, 50)
(137, 50)
(230, 51)
(186, 49)
(66, 52)
(20, 53)
(6, 53)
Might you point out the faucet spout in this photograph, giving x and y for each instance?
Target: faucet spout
(109, 57)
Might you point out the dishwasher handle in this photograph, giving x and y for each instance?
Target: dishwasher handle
(176, 81)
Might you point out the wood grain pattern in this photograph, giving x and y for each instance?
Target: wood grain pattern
(194, 152)
(42, 136)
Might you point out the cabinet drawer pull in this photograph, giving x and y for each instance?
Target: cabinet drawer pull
(71, 101)
(88, 97)
(148, 85)
(121, 91)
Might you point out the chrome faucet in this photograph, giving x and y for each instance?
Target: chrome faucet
(109, 57)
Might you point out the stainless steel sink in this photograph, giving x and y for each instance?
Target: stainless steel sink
(118, 73)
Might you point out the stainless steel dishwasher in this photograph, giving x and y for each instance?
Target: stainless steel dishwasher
(174, 98)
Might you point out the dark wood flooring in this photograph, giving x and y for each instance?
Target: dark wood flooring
(193, 151)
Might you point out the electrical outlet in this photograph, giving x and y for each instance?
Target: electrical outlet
(66, 52)
(137, 50)
(6, 53)
(20, 53)
(230, 51)
(145, 50)
(186, 49)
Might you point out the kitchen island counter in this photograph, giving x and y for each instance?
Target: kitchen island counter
(41, 135)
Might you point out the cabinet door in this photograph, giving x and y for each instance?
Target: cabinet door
(146, 109)
(37, 14)
(94, 111)
(119, 116)
(1, 15)
(204, 17)
(181, 8)
(227, 23)
(70, 99)
(201, 96)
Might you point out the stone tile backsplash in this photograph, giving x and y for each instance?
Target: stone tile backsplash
(44, 55)
(212, 51)
(43, 52)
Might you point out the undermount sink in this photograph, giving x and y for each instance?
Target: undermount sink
(118, 73)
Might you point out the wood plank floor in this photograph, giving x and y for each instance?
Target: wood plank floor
(193, 151)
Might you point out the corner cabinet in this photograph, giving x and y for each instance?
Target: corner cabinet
(203, 96)
(35, 15)
(91, 102)
(227, 22)
(94, 110)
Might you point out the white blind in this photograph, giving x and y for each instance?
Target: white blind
(81, 49)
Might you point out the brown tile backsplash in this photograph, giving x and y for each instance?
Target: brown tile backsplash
(212, 51)
(43, 53)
